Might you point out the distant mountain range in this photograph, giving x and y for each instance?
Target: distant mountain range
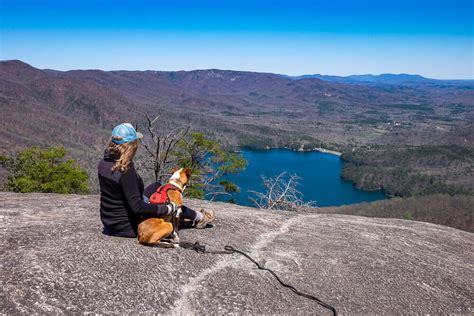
(393, 79)
(78, 108)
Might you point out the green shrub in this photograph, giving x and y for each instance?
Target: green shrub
(408, 216)
(44, 170)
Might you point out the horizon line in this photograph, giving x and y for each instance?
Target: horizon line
(251, 71)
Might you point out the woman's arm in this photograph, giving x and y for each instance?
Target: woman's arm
(134, 199)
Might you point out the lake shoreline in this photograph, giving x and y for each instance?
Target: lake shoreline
(327, 151)
(319, 171)
(302, 149)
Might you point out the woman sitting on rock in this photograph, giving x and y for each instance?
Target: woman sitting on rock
(123, 199)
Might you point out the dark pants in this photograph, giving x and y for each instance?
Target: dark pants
(129, 234)
(187, 212)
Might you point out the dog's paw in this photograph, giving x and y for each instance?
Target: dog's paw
(173, 238)
(165, 243)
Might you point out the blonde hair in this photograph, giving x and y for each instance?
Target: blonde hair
(125, 152)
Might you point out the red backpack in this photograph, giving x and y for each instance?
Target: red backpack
(161, 194)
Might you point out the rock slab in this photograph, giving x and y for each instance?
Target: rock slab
(54, 258)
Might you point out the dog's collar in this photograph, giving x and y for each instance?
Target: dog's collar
(178, 184)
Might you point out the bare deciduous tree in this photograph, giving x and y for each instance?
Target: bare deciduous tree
(159, 146)
(281, 193)
(178, 147)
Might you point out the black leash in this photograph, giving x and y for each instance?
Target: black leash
(230, 250)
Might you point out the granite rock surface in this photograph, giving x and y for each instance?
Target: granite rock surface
(54, 258)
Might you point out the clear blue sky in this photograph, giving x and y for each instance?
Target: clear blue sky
(433, 38)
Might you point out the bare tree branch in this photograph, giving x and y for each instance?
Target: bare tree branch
(159, 147)
(281, 193)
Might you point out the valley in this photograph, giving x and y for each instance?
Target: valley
(78, 108)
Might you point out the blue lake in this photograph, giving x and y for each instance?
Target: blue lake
(320, 176)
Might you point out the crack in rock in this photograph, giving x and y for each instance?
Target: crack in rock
(182, 304)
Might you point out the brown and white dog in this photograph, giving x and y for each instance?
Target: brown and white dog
(152, 230)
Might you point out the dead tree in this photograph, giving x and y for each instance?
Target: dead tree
(159, 146)
(281, 193)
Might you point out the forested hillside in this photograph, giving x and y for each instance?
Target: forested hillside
(442, 209)
(412, 170)
(78, 108)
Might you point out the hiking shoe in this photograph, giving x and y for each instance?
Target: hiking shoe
(208, 217)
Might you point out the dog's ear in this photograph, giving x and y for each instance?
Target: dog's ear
(173, 170)
(187, 172)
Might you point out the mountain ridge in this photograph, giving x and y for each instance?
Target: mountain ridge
(78, 108)
(230, 96)
(385, 78)
(357, 77)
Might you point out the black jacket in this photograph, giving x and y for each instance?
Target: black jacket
(121, 199)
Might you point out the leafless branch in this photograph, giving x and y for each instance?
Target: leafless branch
(281, 193)
(159, 146)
